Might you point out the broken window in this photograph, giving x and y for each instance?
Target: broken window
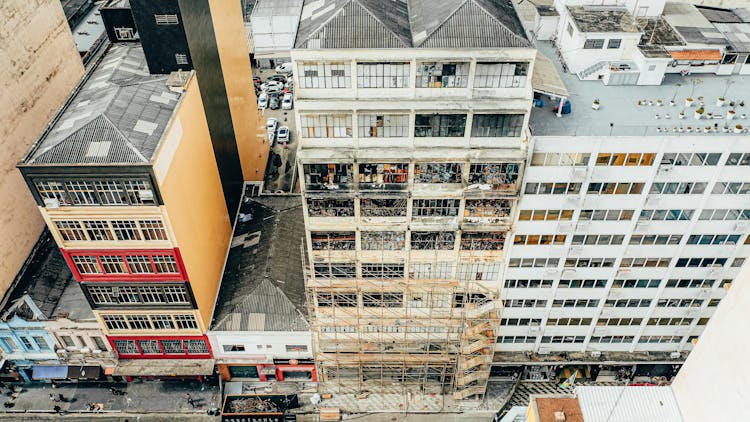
(330, 207)
(331, 176)
(499, 176)
(345, 300)
(439, 125)
(324, 75)
(383, 300)
(340, 241)
(326, 125)
(383, 176)
(435, 207)
(382, 241)
(431, 270)
(488, 208)
(496, 125)
(482, 241)
(433, 240)
(383, 125)
(462, 299)
(501, 75)
(383, 270)
(335, 270)
(382, 207)
(383, 75)
(438, 172)
(442, 75)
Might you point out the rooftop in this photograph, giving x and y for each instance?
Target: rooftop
(603, 19)
(117, 115)
(409, 23)
(620, 114)
(124, 4)
(628, 404)
(605, 358)
(549, 407)
(75, 9)
(263, 287)
(40, 286)
(276, 8)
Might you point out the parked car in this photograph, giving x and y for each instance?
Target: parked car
(271, 137)
(285, 136)
(286, 103)
(285, 68)
(273, 102)
(271, 124)
(277, 78)
(262, 100)
(272, 86)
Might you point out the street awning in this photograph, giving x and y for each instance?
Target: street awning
(546, 80)
(712, 55)
(49, 372)
(84, 372)
(164, 367)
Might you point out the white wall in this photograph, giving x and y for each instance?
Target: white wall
(252, 339)
(714, 383)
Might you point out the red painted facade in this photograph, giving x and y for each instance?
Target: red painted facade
(167, 351)
(128, 274)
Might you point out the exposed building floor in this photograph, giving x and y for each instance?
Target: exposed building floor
(522, 392)
(140, 397)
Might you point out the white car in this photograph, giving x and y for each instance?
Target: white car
(286, 103)
(271, 136)
(285, 68)
(284, 135)
(262, 100)
(272, 124)
(272, 86)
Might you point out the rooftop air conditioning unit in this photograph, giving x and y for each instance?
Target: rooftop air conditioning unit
(596, 354)
(675, 355)
(51, 203)
(147, 194)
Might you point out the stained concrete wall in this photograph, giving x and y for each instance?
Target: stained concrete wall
(39, 67)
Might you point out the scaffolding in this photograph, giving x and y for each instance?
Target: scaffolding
(370, 333)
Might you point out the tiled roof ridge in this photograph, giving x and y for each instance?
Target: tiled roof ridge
(125, 139)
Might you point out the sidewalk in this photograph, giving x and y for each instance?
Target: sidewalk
(141, 397)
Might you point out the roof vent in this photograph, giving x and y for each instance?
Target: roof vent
(177, 80)
(560, 416)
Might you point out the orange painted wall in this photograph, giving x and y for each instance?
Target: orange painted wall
(249, 128)
(193, 198)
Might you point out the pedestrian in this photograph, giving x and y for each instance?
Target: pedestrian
(52, 397)
(191, 402)
(60, 397)
(57, 409)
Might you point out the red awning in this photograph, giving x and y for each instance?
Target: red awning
(713, 55)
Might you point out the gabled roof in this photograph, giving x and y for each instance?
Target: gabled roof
(117, 115)
(409, 23)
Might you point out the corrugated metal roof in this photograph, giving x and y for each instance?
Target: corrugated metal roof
(628, 404)
(118, 115)
(409, 23)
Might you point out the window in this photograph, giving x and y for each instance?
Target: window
(614, 43)
(195, 347)
(383, 271)
(645, 262)
(324, 75)
(234, 347)
(582, 284)
(533, 262)
(433, 240)
(676, 188)
(738, 158)
(725, 215)
(81, 193)
(153, 230)
(126, 347)
(560, 159)
(545, 215)
(478, 271)
(575, 303)
(435, 207)
(690, 284)
(482, 241)
(589, 262)
(175, 294)
(500, 176)
(110, 192)
(550, 188)
(516, 339)
(326, 125)
(598, 239)
(497, 125)
(334, 270)
(383, 125)
(539, 239)
(383, 176)
(52, 190)
(625, 159)
(501, 75)
(70, 230)
(341, 241)
(738, 262)
(438, 172)
(525, 303)
(383, 300)
(568, 321)
(162, 322)
(670, 321)
(691, 159)
(150, 347)
(519, 322)
(67, 341)
(713, 302)
(734, 188)
(383, 75)
(563, 339)
(442, 75)
(627, 303)
(295, 348)
(701, 262)
(172, 346)
(382, 207)
(439, 125)
(115, 322)
(611, 339)
(655, 239)
(86, 264)
(615, 188)
(186, 322)
(379, 241)
(126, 230)
(180, 58)
(165, 264)
(660, 339)
(619, 321)
(641, 284)
(98, 230)
(138, 264)
(330, 207)
(139, 192)
(139, 322)
(493, 209)
(328, 176)
(528, 284)
(166, 19)
(340, 299)
(593, 44)
(41, 343)
(713, 239)
(436, 270)
(606, 215)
